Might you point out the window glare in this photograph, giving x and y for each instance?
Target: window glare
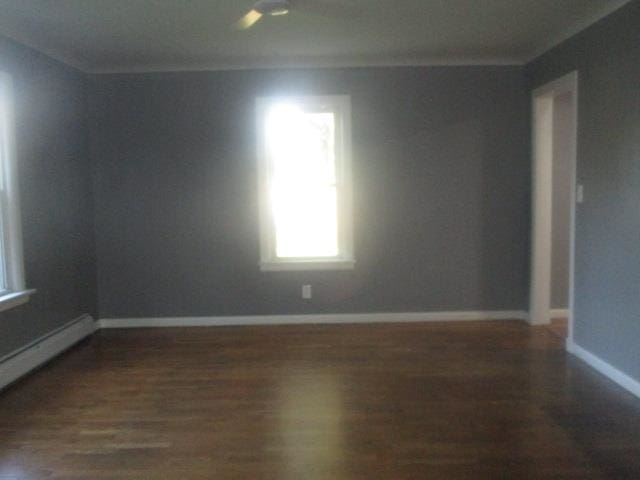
(303, 194)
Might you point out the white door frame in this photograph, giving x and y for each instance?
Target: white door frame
(542, 190)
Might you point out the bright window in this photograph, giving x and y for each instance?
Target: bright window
(305, 183)
(12, 286)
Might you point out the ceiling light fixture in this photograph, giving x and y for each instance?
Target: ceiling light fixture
(272, 7)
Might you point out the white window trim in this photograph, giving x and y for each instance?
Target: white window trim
(269, 261)
(16, 292)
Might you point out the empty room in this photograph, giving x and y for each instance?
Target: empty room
(319, 239)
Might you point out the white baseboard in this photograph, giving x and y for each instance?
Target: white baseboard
(609, 371)
(559, 313)
(22, 361)
(312, 319)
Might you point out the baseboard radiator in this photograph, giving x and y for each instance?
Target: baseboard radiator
(24, 360)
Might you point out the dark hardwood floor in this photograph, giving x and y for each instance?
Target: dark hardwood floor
(399, 401)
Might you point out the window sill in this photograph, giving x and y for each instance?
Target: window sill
(302, 265)
(13, 299)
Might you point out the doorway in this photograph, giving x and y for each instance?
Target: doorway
(554, 138)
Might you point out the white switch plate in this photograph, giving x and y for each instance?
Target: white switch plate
(580, 193)
(306, 292)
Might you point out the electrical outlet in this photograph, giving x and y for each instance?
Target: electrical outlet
(306, 292)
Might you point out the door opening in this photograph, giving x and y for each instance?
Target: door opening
(554, 139)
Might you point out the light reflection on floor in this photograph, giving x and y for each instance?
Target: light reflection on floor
(311, 422)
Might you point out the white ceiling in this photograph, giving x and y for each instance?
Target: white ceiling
(149, 35)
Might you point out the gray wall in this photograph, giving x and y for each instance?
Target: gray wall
(57, 210)
(563, 131)
(441, 182)
(607, 289)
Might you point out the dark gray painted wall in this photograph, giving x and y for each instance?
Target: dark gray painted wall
(563, 131)
(57, 210)
(607, 289)
(441, 185)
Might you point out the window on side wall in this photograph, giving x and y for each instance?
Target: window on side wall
(12, 284)
(304, 153)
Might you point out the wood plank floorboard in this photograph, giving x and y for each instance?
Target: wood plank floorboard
(473, 400)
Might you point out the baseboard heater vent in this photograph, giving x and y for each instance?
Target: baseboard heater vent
(22, 361)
